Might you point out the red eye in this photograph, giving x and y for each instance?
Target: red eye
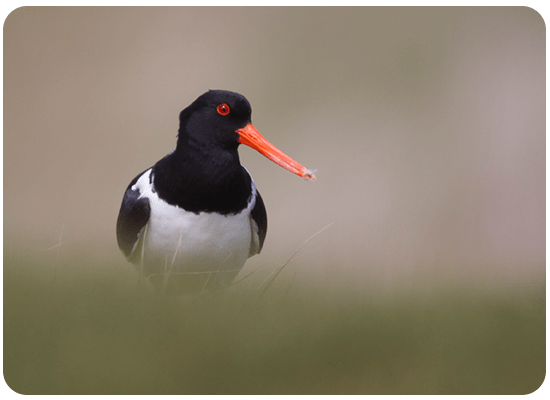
(223, 109)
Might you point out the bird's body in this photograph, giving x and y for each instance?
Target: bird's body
(212, 247)
(190, 222)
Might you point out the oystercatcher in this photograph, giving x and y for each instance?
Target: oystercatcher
(190, 222)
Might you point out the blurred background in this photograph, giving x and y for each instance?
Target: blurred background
(427, 130)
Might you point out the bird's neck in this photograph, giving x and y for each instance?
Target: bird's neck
(203, 180)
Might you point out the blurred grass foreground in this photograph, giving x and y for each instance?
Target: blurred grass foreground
(92, 333)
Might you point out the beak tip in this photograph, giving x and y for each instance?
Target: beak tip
(309, 175)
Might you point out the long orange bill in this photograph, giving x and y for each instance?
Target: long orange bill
(251, 137)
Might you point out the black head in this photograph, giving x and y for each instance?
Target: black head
(212, 128)
(212, 120)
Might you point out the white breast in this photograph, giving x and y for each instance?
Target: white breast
(179, 242)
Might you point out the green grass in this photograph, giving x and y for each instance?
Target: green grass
(95, 332)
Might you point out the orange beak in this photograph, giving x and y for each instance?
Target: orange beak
(251, 137)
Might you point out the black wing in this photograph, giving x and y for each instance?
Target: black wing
(259, 216)
(134, 214)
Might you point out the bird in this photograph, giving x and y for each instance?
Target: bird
(190, 222)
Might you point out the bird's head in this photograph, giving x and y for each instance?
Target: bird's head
(222, 119)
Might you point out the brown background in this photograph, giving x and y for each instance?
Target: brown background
(426, 127)
(427, 130)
